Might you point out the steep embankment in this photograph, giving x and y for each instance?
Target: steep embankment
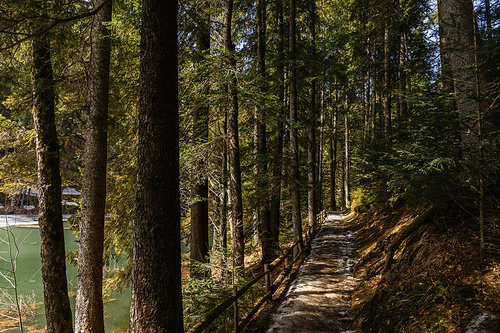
(437, 281)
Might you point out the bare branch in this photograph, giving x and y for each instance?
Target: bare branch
(56, 22)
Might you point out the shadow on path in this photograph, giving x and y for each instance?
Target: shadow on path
(318, 299)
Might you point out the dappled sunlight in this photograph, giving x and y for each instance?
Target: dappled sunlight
(319, 299)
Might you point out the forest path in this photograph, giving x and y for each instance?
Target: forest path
(318, 299)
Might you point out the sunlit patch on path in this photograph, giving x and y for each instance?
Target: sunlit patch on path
(318, 300)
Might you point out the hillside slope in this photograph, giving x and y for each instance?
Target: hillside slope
(438, 280)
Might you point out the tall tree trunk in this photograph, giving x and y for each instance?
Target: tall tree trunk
(156, 304)
(488, 19)
(52, 250)
(89, 315)
(199, 209)
(402, 83)
(369, 122)
(220, 232)
(345, 185)
(333, 161)
(319, 185)
(457, 29)
(311, 130)
(446, 71)
(262, 194)
(294, 140)
(223, 236)
(278, 139)
(387, 92)
(236, 201)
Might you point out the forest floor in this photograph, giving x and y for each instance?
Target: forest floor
(439, 281)
(318, 300)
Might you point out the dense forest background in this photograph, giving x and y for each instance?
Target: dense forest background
(285, 109)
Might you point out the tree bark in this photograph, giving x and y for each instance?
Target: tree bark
(199, 248)
(346, 171)
(457, 29)
(368, 96)
(278, 138)
(262, 194)
(487, 13)
(446, 72)
(387, 93)
(223, 221)
(156, 304)
(402, 106)
(89, 315)
(319, 158)
(333, 162)
(236, 201)
(52, 250)
(294, 140)
(311, 130)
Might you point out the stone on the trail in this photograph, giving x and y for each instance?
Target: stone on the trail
(484, 323)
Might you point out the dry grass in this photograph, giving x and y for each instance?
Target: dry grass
(438, 282)
(9, 316)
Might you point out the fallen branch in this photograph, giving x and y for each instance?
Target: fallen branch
(423, 219)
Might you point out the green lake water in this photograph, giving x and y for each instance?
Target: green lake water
(29, 277)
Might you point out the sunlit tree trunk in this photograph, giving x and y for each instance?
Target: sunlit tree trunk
(333, 160)
(235, 196)
(220, 234)
(346, 168)
(156, 304)
(402, 106)
(319, 185)
(370, 113)
(89, 314)
(52, 249)
(225, 200)
(387, 92)
(311, 129)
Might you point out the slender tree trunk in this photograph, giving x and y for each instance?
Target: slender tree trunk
(402, 84)
(156, 304)
(333, 161)
(52, 250)
(319, 185)
(278, 139)
(294, 144)
(311, 131)
(346, 170)
(368, 96)
(224, 200)
(236, 201)
(261, 139)
(488, 19)
(89, 314)
(387, 93)
(199, 248)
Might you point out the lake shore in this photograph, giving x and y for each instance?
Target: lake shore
(26, 220)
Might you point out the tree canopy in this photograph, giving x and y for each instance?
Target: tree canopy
(348, 103)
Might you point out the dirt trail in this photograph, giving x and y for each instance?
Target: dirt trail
(318, 300)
